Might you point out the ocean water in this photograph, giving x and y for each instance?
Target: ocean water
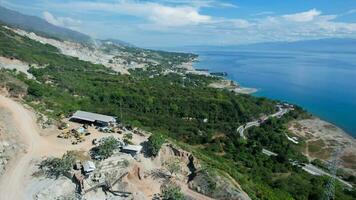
(322, 83)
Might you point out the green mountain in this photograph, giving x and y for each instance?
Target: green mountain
(39, 26)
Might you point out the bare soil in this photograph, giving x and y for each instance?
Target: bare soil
(323, 138)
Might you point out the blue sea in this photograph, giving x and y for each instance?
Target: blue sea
(324, 83)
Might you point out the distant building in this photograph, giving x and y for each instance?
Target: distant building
(132, 149)
(93, 118)
(88, 166)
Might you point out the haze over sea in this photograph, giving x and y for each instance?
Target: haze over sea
(324, 83)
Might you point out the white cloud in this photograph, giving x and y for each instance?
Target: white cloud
(61, 21)
(185, 19)
(264, 13)
(163, 15)
(303, 16)
(352, 11)
(201, 3)
(176, 16)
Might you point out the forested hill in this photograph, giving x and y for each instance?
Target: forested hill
(39, 26)
(179, 106)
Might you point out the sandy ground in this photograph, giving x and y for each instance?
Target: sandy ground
(17, 174)
(18, 171)
(8, 63)
(322, 138)
(17, 182)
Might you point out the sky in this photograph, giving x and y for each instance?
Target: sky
(170, 23)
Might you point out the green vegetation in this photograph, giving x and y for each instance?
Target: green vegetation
(172, 192)
(14, 86)
(173, 110)
(173, 166)
(55, 167)
(154, 144)
(105, 149)
(127, 138)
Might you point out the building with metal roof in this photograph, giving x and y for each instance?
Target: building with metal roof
(89, 166)
(132, 149)
(89, 117)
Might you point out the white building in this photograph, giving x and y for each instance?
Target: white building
(93, 118)
(89, 166)
(132, 149)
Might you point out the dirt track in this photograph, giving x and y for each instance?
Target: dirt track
(17, 177)
(18, 171)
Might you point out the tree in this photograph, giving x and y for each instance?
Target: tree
(155, 142)
(106, 148)
(54, 167)
(172, 192)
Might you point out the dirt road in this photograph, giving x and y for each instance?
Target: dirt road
(17, 177)
(13, 182)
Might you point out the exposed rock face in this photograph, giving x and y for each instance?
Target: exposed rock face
(207, 183)
(9, 145)
(61, 189)
(216, 186)
(11, 63)
(187, 160)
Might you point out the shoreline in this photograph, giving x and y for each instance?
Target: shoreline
(223, 83)
(330, 135)
(246, 90)
(322, 139)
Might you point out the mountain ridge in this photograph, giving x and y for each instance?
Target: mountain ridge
(346, 45)
(40, 26)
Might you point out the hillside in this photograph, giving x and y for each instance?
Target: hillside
(39, 26)
(166, 100)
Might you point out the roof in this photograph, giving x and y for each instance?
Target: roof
(89, 166)
(136, 148)
(92, 117)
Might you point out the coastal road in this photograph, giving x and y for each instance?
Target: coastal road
(311, 169)
(241, 129)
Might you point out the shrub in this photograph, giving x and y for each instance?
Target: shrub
(55, 167)
(105, 149)
(172, 192)
(155, 142)
(127, 138)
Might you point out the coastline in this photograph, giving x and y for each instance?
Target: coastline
(321, 137)
(232, 86)
(224, 83)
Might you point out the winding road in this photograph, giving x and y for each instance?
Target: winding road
(241, 129)
(311, 169)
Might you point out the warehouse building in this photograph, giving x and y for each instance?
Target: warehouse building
(93, 118)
